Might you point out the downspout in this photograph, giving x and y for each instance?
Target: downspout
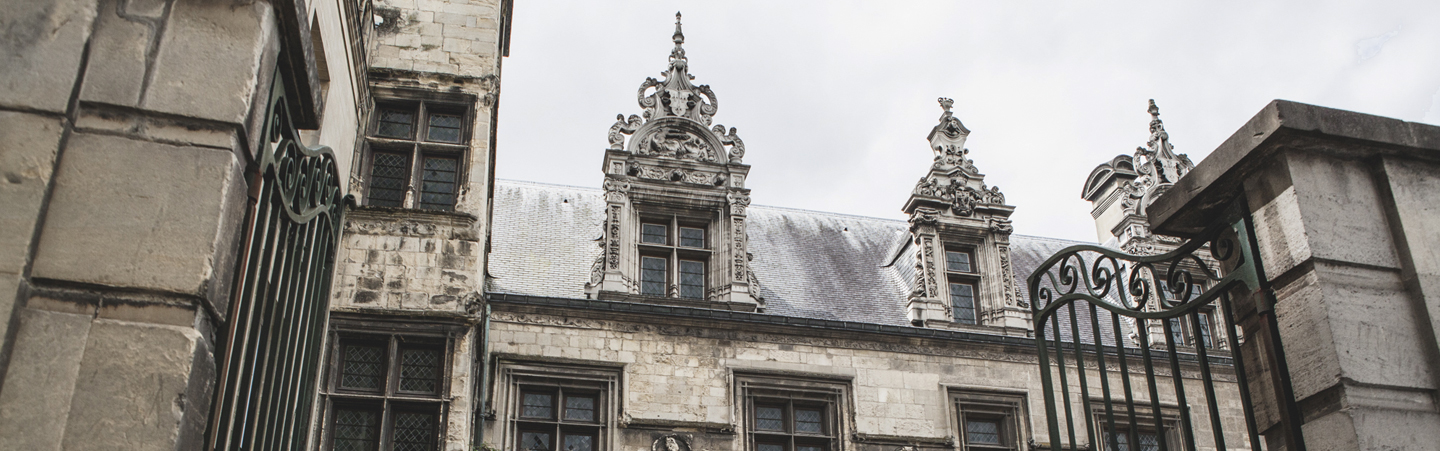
(482, 392)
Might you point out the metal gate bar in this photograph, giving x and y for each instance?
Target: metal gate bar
(1156, 292)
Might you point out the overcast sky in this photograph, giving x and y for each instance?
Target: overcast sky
(834, 99)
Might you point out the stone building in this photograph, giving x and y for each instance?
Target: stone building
(275, 225)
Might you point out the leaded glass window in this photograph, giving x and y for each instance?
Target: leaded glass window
(437, 190)
(415, 431)
(363, 367)
(958, 261)
(692, 237)
(396, 123)
(982, 431)
(989, 421)
(418, 163)
(791, 425)
(419, 370)
(1205, 328)
(444, 128)
(962, 302)
(355, 430)
(389, 178)
(653, 275)
(563, 416)
(654, 234)
(692, 279)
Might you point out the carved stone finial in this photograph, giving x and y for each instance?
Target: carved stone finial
(946, 103)
(679, 36)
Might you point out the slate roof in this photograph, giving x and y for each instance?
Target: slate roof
(810, 264)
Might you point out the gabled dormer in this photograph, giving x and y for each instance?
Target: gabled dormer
(960, 231)
(674, 228)
(1121, 190)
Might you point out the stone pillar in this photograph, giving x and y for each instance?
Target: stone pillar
(1347, 221)
(126, 126)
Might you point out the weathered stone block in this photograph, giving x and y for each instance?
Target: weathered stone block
(136, 214)
(40, 381)
(118, 47)
(130, 393)
(1344, 218)
(27, 161)
(214, 48)
(43, 43)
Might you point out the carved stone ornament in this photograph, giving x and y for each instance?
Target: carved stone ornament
(612, 236)
(1001, 226)
(738, 202)
(962, 198)
(1158, 167)
(742, 266)
(1007, 274)
(923, 216)
(949, 156)
(637, 170)
(752, 280)
(676, 116)
(670, 443)
(616, 190)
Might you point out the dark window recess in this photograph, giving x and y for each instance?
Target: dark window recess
(692, 279)
(364, 368)
(389, 177)
(654, 234)
(653, 276)
(415, 431)
(1149, 441)
(962, 302)
(575, 426)
(437, 191)
(396, 123)
(958, 261)
(356, 430)
(692, 237)
(419, 370)
(444, 128)
(789, 425)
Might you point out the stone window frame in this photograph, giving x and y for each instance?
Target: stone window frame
(417, 146)
(971, 278)
(516, 375)
(1144, 419)
(831, 395)
(395, 334)
(1008, 408)
(673, 253)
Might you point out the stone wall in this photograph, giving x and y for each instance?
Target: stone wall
(456, 37)
(678, 376)
(398, 259)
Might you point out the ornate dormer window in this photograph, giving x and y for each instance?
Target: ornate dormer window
(674, 228)
(960, 231)
(1123, 189)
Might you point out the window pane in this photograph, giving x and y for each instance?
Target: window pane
(535, 441)
(653, 276)
(1205, 330)
(576, 442)
(769, 447)
(654, 234)
(363, 368)
(808, 421)
(437, 191)
(356, 430)
(1177, 334)
(389, 177)
(419, 370)
(1149, 442)
(769, 419)
(692, 279)
(444, 128)
(692, 237)
(580, 408)
(539, 405)
(808, 448)
(957, 261)
(415, 431)
(962, 302)
(396, 123)
(982, 431)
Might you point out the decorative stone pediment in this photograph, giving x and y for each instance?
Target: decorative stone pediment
(676, 119)
(1123, 189)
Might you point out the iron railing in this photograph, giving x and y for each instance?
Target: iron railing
(275, 327)
(1163, 299)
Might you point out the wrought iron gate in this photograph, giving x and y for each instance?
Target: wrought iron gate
(1146, 324)
(268, 368)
